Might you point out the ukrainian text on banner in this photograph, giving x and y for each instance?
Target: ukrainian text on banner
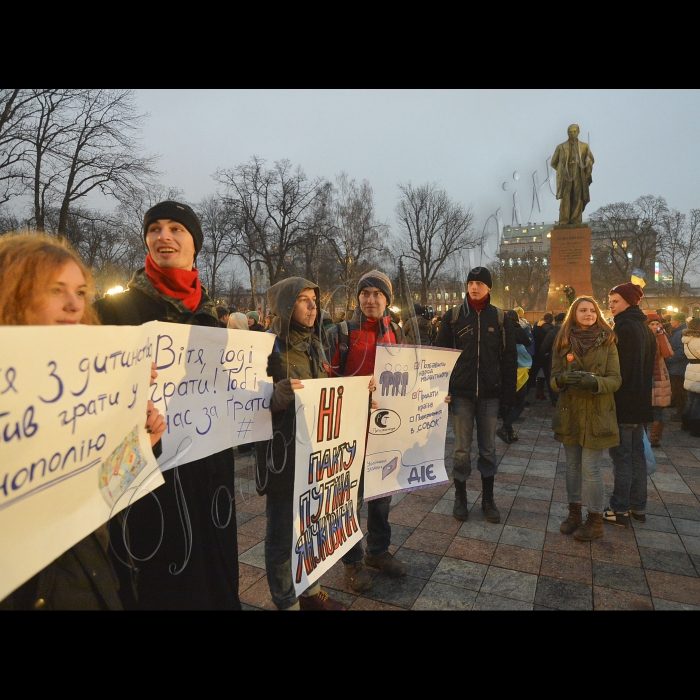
(406, 441)
(212, 388)
(73, 446)
(331, 424)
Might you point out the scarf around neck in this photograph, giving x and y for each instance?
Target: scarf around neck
(583, 339)
(184, 285)
(479, 305)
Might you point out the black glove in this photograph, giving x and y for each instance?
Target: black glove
(274, 367)
(282, 396)
(588, 382)
(563, 379)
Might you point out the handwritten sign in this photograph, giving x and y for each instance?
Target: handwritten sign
(212, 388)
(406, 441)
(331, 425)
(73, 447)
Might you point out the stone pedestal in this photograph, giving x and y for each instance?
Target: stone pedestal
(569, 265)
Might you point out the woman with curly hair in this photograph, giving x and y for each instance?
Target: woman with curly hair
(586, 373)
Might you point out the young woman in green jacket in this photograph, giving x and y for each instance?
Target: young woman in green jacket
(586, 372)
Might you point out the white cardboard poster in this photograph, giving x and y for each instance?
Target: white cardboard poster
(406, 441)
(331, 427)
(213, 389)
(73, 447)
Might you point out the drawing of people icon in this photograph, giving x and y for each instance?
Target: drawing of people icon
(404, 382)
(398, 381)
(386, 379)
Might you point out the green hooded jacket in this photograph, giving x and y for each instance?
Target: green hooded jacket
(298, 353)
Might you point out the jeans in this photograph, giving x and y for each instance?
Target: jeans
(582, 462)
(278, 552)
(520, 398)
(464, 412)
(657, 413)
(629, 470)
(378, 531)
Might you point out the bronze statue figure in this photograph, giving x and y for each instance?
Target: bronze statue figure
(573, 162)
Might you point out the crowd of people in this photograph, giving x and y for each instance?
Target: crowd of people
(608, 382)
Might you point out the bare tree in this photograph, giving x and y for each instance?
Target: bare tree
(679, 249)
(275, 204)
(353, 231)
(82, 140)
(219, 229)
(626, 234)
(17, 106)
(432, 229)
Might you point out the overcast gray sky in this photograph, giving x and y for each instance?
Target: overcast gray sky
(470, 141)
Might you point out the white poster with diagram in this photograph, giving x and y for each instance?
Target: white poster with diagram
(406, 440)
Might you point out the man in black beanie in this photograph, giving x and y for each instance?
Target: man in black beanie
(483, 378)
(194, 566)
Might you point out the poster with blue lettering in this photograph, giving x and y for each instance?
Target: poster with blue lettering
(406, 441)
(331, 425)
(213, 389)
(74, 449)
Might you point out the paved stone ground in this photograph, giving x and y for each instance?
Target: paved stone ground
(522, 563)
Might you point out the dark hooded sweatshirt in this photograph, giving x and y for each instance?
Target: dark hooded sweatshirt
(298, 353)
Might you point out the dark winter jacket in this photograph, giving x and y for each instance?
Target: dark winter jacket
(82, 578)
(209, 554)
(417, 329)
(548, 344)
(485, 369)
(539, 333)
(678, 361)
(299, 353)
(636, 348)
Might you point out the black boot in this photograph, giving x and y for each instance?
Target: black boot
(460, 510)
(491, 513)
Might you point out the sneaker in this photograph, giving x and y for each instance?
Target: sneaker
(386, 564)
(320, 601)
(357, 577)
(502, 433)
(621, 519)
(638, 517)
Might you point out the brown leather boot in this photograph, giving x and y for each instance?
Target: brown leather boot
(657, 430)
(591, 529)
(573, 521)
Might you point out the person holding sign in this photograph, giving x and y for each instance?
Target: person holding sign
(586, 372)
(43, 282)
(484, 377)
(168, 289)
(353, 347)
(298, 354)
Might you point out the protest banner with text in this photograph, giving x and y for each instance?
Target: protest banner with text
(406, 441)
(213, 389)
(73, 449)
(331, 427)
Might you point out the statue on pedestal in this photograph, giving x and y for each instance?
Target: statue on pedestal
(573, 162)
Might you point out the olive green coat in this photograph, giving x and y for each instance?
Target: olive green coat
(583, 417)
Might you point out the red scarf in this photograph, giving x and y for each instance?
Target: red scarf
(479, 305)
(178, 284)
